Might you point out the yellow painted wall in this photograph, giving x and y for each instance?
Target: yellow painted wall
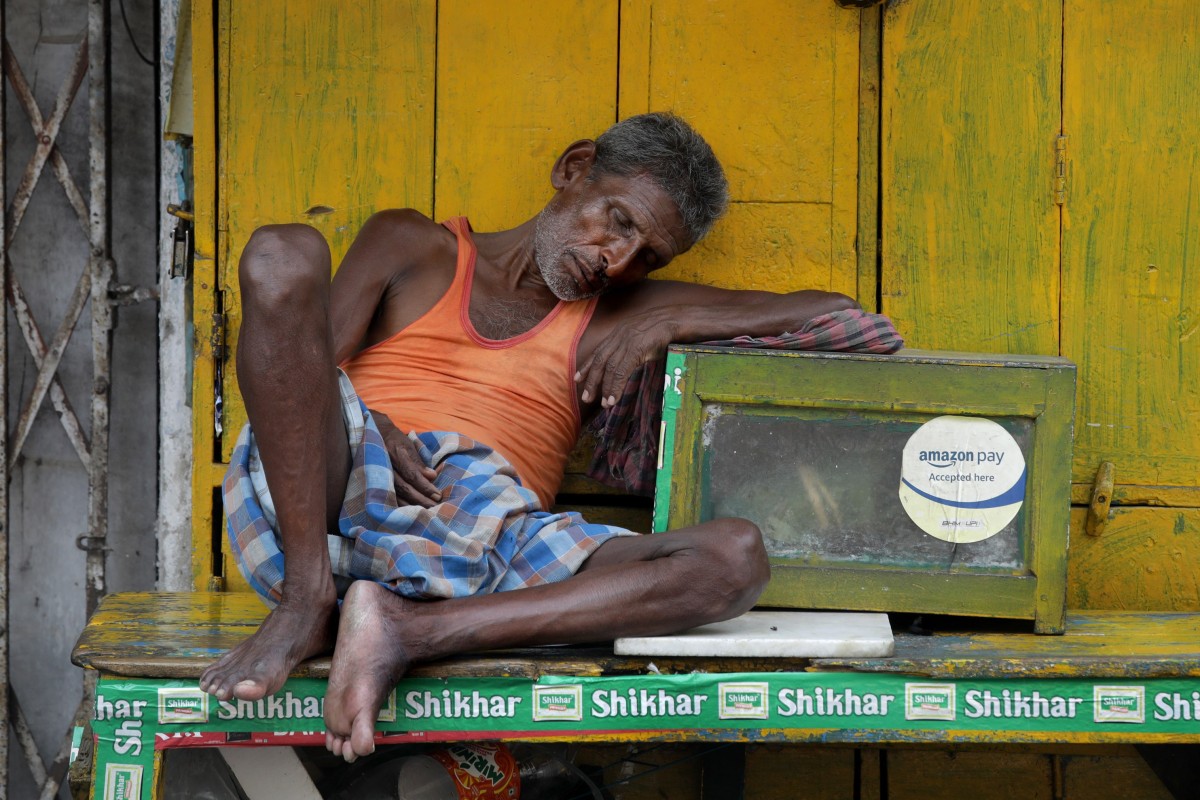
(1131, 238)
(324, 114)
(987, 245)
(969, 226)
(452, 107)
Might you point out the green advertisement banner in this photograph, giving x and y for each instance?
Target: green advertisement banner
(136, 718)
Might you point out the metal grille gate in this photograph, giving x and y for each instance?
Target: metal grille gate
(95, 287)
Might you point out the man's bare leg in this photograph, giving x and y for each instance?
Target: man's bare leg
(286, 374)
(641, 586)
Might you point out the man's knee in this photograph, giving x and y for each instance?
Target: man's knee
(747, 551)
(284, 264)
(741, 563)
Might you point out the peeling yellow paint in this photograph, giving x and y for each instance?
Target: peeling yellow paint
(969, 224)
(1131, 279)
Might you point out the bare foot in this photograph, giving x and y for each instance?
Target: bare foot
(371, 656)
(260, 665)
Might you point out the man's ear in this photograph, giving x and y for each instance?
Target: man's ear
(574, 164)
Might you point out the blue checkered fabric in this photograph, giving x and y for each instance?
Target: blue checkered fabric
(488, 534)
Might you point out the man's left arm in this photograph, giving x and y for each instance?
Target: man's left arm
(643, 320)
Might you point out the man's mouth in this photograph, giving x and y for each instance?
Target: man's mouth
(589, 280)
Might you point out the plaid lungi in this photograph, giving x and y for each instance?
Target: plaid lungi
(488, 534)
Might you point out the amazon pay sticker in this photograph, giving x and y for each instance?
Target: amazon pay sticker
(962, 479)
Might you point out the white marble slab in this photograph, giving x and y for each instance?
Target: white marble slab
(792, 634)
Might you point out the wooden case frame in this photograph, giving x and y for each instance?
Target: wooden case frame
(1039, 388)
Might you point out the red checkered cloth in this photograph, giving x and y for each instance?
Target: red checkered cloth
(626, 454)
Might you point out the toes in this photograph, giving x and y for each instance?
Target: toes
(217, 686)
(250, 689)
(362, 735)
(211, 680)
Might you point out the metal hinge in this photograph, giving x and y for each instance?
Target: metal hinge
(216, 339)
(1060, 170)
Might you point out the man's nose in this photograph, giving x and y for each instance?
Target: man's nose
(618, 256)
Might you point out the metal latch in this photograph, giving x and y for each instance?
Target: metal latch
(1102, 490)
(181, 239)
(1060, 170)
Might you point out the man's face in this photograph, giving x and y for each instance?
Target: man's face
(606, 233)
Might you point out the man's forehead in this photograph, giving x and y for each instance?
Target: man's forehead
(650, 205)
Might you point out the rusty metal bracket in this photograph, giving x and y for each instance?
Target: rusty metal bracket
(123, 294)
(1102, 491)
(92, 544)
(181, 212)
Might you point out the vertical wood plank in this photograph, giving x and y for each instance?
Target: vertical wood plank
(1131, 244)
(869, 47)
(633, 89)
(773, 87)
(514, 88)
(758, 81)
(328, 118)
(204, 283)
(970, 229)
(844, 173)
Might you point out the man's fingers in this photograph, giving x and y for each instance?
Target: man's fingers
(413, 479)
(418, 479)
(407, 495)
(616, 374)
(586, 381)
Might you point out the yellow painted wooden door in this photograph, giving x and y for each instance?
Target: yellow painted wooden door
(1131, 292)
(1039, 195)
(324, 113)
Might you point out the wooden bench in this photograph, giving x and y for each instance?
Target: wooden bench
(1111, 678)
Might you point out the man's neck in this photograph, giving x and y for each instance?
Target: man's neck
(509, 255)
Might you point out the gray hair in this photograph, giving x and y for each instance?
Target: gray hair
(667, 150)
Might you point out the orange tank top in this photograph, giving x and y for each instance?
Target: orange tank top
(515, 395)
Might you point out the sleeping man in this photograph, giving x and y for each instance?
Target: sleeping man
(409, 424)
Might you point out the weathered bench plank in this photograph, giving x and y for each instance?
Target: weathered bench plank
(176, 635)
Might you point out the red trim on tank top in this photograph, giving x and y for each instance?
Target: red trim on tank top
(464, 311)
(587, 318)
(444, 299)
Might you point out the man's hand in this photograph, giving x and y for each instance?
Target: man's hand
(414, 480)
(641, 337)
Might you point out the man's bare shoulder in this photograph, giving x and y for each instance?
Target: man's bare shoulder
(404, 238)
(399, 264)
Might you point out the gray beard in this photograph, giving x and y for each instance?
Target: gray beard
(546, 235)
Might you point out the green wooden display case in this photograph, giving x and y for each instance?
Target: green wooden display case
(928, 482)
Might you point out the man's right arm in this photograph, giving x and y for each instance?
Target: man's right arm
(382, 258)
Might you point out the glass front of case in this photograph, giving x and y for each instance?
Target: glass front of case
(822, 485)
